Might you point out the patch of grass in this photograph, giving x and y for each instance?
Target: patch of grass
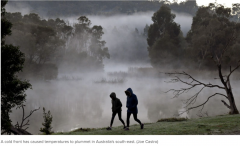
(83, 129)
(172, 120)
(219, 125)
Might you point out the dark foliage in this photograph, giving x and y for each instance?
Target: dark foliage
(47, 128)
(172, 120)
(163, 38)
(210, 34)
(50, 44)
(12, 88)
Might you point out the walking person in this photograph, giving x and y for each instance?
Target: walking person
(132, 103)
(116, 109)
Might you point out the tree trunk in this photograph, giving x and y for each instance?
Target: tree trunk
(228, 89)
(233, 107)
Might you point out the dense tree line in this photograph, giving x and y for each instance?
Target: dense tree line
(213, 43)
(48, 44)
(211, 28)
(210, 32)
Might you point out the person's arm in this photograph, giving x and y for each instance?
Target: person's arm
(112, 104)
(119, 105)
(135, 103)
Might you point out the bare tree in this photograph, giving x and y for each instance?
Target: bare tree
(19, 129)
(214, 41)
(196, 83)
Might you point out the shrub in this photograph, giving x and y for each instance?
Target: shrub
(172, 120)
(47, 123)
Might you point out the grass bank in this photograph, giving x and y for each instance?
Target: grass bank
(227, 124)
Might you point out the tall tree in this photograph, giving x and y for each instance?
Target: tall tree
(39, 41)
(82, 33)
(86, 47)
(97, 46)
(12, 88)
(163, 37)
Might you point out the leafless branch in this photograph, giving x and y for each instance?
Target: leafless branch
(193, 82)
(25, 124)
(226, 104)
(26, 128)
(180, 91)
(201, 104)
(17, 125)
(24, 118)
(231, 71)
(219, 78)
(193, 99)
(31, 112)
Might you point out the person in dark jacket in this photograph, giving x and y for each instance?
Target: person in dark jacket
(132, 103)
(116, 109)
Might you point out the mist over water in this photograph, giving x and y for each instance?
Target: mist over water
(76, 100)
(84, 103)
(127, 50)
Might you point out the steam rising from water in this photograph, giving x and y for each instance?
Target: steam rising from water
(127, 49)
(83, 103)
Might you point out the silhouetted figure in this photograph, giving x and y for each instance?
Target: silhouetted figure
(132, 103)
(116, 109)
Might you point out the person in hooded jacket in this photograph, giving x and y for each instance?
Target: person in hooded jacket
(116, 109)
(132, 103)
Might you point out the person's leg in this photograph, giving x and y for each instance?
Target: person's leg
(136, 119)
(128, 117)
(113, 116)
(120, 117)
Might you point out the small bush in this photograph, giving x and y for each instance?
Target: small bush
(172, 120)
(83, 129)
(47, 128)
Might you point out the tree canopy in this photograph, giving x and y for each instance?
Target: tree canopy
(50, 44)
(211, 33)
(163, 37)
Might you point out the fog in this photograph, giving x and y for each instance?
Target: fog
(126, 47)
(77, 99)
(18, 7)
(85, 103)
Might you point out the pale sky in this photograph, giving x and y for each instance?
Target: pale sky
(227, 3)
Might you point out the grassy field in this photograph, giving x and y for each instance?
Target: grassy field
(227, 124)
